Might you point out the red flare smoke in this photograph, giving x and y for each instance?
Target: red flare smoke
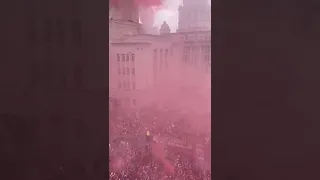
(159, 153)
(146, 3)
(147, 17)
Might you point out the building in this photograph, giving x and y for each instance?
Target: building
(194, 16)
(165, 29)
(142, 65)
(124, 19)
(54, 70)
(130, 57)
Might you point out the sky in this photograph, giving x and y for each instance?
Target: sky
(169, 13)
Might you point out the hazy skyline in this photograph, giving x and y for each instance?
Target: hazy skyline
(169, 13)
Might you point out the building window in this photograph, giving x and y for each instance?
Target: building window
(118, 62)
(132, 58)
(119, 85)
(128, 71)
(60, 31)
(123, 60)
(194, 49)
(128, 85)
(118, 102)
(202, 49)
(127, 57)
(166, 58)
(194, 59)
(155, 54)
(206, 58)
(123, 70)
(134, 102)
(32, 36)
(124, 85)
(77, 32)
(133, 85)
(133, 71)
(186, 59)
(161, 59)
(133, 63)
(127, 101)
(186, 49)
(155, 64)
(48, 30)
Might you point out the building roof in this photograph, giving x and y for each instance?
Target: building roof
(141, 39)
(164, 28)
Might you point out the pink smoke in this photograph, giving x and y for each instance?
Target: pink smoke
(147, 10)
(187, 91)
(149, 3)
(145, 3)
(117, 164)
(159, 153)
(147, 18)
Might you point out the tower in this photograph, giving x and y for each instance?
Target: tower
(165, 29)
(194, 16)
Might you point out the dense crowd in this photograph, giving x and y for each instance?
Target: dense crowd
(128, 162)
(139, 164)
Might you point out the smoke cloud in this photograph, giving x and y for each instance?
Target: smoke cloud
(147, 17)
(145, 3)
(158, 11)
(169, 13)
(149, 3)
(147, 10)
(188, 93)
(154, 12)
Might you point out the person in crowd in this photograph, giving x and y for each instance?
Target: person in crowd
(158, 162)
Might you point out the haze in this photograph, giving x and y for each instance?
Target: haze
(169, 13)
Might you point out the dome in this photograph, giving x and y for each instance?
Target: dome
(164, 29)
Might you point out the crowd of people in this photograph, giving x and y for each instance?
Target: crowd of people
(143, 167)
(130, 162)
